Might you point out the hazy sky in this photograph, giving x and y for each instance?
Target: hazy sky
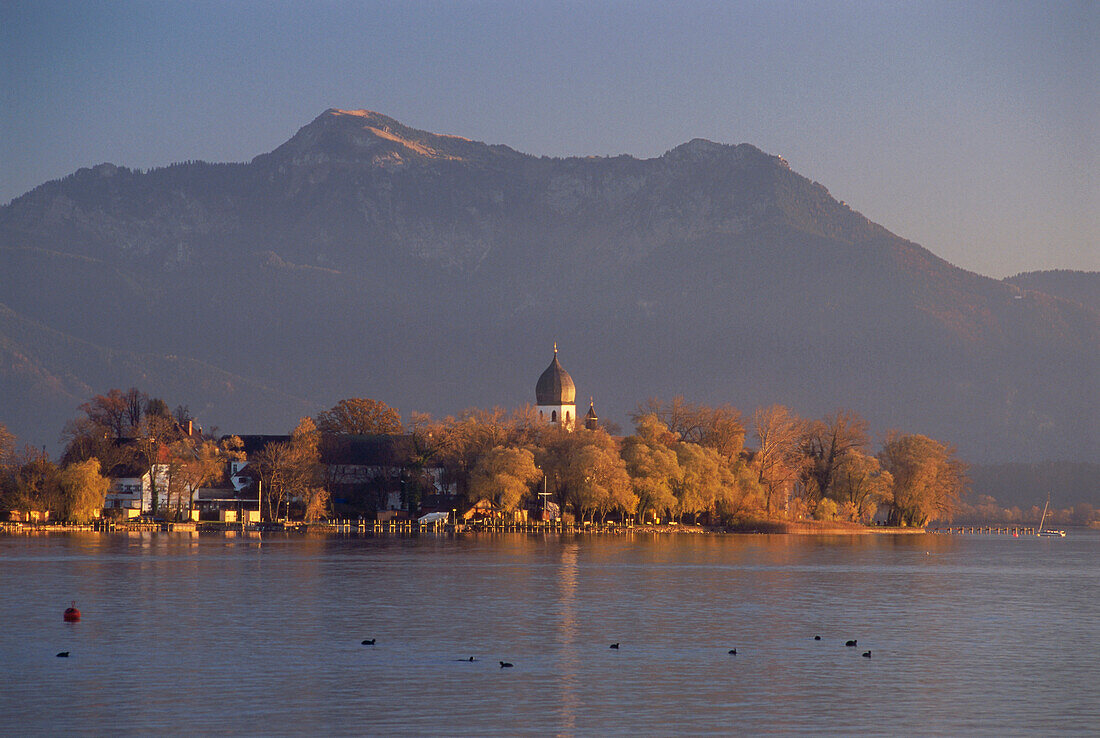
(969, 127)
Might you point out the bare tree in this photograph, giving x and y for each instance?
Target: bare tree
(135, 401)
(778, 458)
(824, 443)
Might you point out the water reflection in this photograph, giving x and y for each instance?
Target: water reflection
(567, 635)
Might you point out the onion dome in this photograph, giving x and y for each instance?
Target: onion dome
(555, 386)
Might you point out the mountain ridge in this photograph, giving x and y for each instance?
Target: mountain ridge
(713, 270)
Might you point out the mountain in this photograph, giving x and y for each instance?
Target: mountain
(58, 372)
(366, 258)
(1080, 287)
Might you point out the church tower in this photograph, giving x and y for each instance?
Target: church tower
(555, 395)
(591, 420)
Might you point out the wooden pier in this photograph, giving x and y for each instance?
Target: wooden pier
(985, 530)
(412, 526)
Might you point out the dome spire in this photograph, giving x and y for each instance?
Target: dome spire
(555, 386)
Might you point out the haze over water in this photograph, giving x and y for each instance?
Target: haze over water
(247, 635)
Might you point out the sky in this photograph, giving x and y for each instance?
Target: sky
(968, 127)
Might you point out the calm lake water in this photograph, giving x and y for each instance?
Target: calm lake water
(197, 634)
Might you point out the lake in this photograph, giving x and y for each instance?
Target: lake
(200, 634)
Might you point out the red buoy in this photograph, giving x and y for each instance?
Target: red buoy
(72, 615)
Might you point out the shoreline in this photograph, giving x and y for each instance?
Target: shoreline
(755, 527)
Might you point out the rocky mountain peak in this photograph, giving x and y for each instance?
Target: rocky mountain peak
(356, 137)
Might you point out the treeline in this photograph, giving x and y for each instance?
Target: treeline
(122, 434)
(683, 461)
(987, 510)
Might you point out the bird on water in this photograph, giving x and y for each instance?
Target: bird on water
(866, 654)
(506, 665)
(817, 638)
(63, 655)
(850, 644)
(369, 641)
(615, 646)
(733, 652)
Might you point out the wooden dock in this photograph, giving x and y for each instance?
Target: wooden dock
(985, 530)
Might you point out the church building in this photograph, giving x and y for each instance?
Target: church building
(555, 396)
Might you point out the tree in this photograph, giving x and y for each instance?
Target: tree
(826, 509)
(152, 439)
(823, 444)
(927, 478)
(703, 475)
(652, 465)
(778, 458)
(109, 412)
(83, 491)
(742, 497)
(193, 463)
(135, 401)
(595, 477)
(291, 470)
(159, 408)
(860, 485)
(719, 428)
(359, 416)
(463, 440)
(32, 483)
(503, 476)
(585, 471)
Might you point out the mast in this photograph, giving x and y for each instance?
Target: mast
(1044, 518)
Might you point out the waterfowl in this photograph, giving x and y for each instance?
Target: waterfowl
(369, 641)
(817, 638)
(63, 655)
(505, 665)
(615, 646)
(850, 644)
(866, 654)
(733, 652)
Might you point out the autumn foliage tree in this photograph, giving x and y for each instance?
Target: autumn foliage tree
(927, 478)
(31, 481)
(359, 416)
(291, 471)
(719, 428)
(83, 490)
(504, 476)
(594, 477)
(860, 485)
(652, 465)
(824, 444)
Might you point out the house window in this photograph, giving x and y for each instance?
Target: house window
(554, 416)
